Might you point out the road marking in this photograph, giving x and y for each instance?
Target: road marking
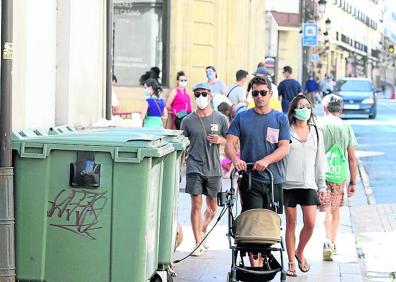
(376, 145)
(366, 183)
(363, 154)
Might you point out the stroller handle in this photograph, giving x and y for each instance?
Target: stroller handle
(249, 173)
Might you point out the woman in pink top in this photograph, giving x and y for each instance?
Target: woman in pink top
(179, 103)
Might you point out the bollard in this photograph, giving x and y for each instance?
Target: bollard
(7, 222)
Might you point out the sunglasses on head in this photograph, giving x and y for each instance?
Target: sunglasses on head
(199, 93)
(308, 106)
(263, 93)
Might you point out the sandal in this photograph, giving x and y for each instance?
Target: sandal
(292, 273)
(304, 267)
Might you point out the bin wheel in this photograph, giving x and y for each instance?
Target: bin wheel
(156, 278)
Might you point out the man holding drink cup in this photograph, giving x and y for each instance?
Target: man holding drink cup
(206, 130)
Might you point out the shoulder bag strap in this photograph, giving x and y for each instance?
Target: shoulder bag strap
(232, 89)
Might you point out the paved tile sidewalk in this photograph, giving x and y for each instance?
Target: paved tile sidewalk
(215, 263)
(375, 229)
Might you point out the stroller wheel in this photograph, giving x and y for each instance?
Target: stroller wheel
(229, 278)
(283, 276)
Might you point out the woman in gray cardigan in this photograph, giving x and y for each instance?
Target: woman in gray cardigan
(305, 176)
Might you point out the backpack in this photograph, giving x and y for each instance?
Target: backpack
(337, 168)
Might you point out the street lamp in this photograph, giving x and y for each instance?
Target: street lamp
(328, 24)
(322, 6)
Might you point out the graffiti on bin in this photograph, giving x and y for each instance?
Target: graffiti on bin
(78, 211)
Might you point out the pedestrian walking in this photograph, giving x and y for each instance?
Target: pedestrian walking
(216, 85)
(115, 104)
(179, 101)
(340, 143)
(236, 93)
(305, 175)
(264, 137)
(153, 112)
(311, 88)
(288, 88)
(206, 130)
(327, 85)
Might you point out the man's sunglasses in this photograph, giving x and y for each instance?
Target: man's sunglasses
(263, 93)
(203, 93)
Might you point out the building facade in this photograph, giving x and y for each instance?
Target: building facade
(59, 67)
(386, 75)
(283, 37)
(59, 63)
(185, 35)
(354, 35)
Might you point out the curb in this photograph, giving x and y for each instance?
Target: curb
(365, 180)
(366, 183)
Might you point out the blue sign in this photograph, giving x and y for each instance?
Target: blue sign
(315, 58)
(310, 34)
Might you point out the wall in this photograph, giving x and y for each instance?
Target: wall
(289, 52)
(80, 62)
(34, 68)
(58, 68)
(228, 34)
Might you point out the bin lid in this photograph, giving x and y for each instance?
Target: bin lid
(148, 145)
(176, 137)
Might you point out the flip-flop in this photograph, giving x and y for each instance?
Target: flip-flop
(291, 273)
(303, 267)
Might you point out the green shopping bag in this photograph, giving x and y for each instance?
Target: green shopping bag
(337, 167)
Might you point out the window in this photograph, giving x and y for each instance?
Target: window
(353, 85)
(139, 33)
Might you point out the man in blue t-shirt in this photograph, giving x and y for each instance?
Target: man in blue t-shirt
(288, 88)
(264, 137)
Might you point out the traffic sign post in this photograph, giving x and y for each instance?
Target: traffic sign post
(310, 34)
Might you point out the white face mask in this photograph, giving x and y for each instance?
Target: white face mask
(202, 102)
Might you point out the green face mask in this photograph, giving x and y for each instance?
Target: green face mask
(302, 114)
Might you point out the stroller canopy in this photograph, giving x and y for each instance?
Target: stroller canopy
(258, 226)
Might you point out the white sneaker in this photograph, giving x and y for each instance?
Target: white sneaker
(206, 242)
(327, 252)
(198, 252)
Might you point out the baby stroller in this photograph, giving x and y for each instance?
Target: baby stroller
(253, 231)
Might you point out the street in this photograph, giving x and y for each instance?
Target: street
(377, 149)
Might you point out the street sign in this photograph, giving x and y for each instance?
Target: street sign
(315, 58)
(310, 34)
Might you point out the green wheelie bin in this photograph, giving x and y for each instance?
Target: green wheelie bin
(170, 196)
(170, 189)
(87, 206)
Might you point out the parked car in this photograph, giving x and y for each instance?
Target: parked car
(359, 96)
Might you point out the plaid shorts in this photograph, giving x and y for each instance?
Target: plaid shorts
(334, 197)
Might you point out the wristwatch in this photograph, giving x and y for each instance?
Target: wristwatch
(352, 182)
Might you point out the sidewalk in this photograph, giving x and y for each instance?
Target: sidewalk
(215, 263)
(374, 227)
